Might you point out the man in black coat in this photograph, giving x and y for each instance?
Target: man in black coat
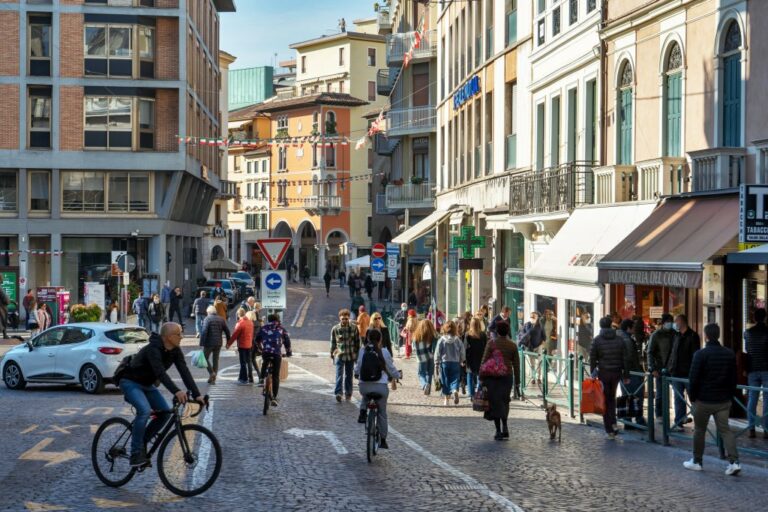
(177, 298)
(685, 344)
(712, 386)
(756, 339)
(608, 357)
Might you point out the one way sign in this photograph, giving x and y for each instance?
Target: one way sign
(273, 289)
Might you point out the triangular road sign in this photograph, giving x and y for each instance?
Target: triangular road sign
(274, 249)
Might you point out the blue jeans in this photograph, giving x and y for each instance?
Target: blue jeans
(426, 370)
(471, 383)
(154, 326)
(144, 399)
(246, 368)
(450, 374)
(758, 379)
(344, 371)
(199, 323)
(681, 409)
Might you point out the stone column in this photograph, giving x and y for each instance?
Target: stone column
(56, 261)
(321, 250)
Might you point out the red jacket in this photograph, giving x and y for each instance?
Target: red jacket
(243, 334)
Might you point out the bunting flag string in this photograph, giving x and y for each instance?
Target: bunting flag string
(281, 141)
(31, 252)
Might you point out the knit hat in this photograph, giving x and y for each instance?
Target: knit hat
(361, 309)
(411, 312)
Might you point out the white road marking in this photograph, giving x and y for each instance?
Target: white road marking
(481, 488)
(330, 436)
(199, 475)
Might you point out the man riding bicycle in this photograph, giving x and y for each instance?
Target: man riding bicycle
(374, 369)
(271, 339)
(138, 381)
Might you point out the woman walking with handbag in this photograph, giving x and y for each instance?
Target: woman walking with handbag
(449, 356)
(498, 372)
(475, 340)
(407, 332)
(424, 339)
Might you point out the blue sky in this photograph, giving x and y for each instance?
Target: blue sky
(261, 28)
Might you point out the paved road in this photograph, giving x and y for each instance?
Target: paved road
(440, 458)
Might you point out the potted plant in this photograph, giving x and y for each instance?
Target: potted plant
(417, 180)
(376, 6)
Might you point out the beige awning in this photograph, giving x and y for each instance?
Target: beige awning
(236, 125)
(422, 227)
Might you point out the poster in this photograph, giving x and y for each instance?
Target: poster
(9, 284)
(95, 293)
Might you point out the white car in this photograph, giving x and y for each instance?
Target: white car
(85, 353)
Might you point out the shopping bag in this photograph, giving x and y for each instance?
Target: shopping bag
(494, 366)
(592, 396)
(198, 359)
(283, 370)
(480, 401)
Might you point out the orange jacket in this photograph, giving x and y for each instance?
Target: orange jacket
(243, 334)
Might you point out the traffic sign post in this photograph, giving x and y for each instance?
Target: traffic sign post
(273, 284)
(274, 249)
(378, 250)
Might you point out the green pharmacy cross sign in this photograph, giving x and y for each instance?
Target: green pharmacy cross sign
(468, 242)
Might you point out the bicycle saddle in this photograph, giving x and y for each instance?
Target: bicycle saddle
(373, 396)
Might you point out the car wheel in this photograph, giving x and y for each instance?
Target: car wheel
(91, 380)
(13, 377)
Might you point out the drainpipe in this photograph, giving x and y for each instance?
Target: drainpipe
(604, 88)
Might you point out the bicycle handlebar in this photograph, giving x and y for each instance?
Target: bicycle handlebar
(204, 403)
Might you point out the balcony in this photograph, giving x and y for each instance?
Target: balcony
(384, 145)
(511, 152)
(383, 21)
(615, 184)
(550, 191)
(399, 44)
(410, 121)
(385, 80)
(323, 205)
(410, 195)
(717, 168)
(381, 207)
(661, 177)
(227, 189)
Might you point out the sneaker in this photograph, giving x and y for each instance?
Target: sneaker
(692, 465)
(611, 436)
(197, 335)
(139, 459)
(242, 383)
(733, 469)
(383, 444)
(362, 416)
(338, 398)
(274, 402)
(505, 434)
(498, 436)
(463, 390)
(250, 381)
(676, 428)
(456, 397)
(348, 398)
(688, 420)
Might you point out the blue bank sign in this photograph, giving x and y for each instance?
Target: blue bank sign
(466, 91)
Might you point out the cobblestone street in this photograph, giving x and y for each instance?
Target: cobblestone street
(440, 458)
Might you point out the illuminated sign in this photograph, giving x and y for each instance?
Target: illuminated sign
(466, 91)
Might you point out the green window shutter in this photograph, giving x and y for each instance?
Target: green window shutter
(732, 101)
(673, 107)
(625, 126)
(554, 147)
(539, 136)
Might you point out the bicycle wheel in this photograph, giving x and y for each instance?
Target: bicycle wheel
(267, 393)
(111, 452)
(370, 431)
(190, 465)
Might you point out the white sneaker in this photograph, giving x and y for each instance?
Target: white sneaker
(733, 469)
(693, 466)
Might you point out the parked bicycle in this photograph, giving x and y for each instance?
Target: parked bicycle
(188, 455)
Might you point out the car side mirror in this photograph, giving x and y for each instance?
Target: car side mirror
(29, 345)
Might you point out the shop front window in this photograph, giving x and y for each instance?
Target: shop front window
(581, 328)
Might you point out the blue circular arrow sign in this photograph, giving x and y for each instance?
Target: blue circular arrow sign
(273, 281)
(377, 265)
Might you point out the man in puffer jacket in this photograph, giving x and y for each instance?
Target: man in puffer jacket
(608, 358)
(659, 350)
(210, 339)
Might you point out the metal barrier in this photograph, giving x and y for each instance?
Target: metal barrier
(550, 377)
(530, 373)
(637, 386)
(758, 418)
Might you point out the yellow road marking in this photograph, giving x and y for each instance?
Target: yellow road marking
(104, 503)
(37, 453)
(42, 507)
(300, 323)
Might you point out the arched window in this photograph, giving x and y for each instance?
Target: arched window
(731, 70)
(330, 123)
(624, 111)
(673, 100)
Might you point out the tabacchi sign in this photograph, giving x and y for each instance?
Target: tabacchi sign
(753, 214)
(677, 279)
(466, 91)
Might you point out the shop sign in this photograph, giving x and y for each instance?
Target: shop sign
(514, 278)
(753, 215)
(470, 88)
(651, 278)
(8, 284)
(426, 272)
(471, 263)
(467, 242)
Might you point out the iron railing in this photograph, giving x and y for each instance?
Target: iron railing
(408, 121)
(385, 81)
(399, 44)
(227, 189)
(552, 190)
(410, 195)
(383, 20)
(323, 205)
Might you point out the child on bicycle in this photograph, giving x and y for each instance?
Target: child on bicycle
(374, 368)
(270, 340)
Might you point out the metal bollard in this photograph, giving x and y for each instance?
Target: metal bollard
(665, 406)
(523, 381)
(651, 409)
(581, 385)
(545, 378)
(571, 387)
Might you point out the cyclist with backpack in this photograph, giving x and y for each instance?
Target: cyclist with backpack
(374, 369)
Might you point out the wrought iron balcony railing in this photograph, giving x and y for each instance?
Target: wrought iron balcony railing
(410, 195)
(551, 190)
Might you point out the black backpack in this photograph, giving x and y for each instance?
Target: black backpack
(121, 368)
(371, 366)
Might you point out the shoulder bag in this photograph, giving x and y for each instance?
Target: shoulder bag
(494, 366)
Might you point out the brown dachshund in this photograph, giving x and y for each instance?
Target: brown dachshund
(553, 422)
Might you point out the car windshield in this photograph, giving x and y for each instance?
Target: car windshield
(242, 275)
(128, 335)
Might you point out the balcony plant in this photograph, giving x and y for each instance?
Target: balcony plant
(282, 133)
(398, 182)
(417, 180)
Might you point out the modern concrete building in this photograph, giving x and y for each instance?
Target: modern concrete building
(94, 96)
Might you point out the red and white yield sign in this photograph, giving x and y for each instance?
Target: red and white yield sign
(378, 250)
(274, 249)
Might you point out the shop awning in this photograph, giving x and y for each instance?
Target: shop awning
(755, 256)
(236, 125)
(671, 246)
(422, 227)
(362, 261)
(221, 265)
(568, 266)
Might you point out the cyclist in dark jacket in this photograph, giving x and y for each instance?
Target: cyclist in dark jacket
(138, 383)
(608, 358)
(271, 339)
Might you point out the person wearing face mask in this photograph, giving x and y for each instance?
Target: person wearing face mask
(659, 349)
(686, 343)
(156, 312)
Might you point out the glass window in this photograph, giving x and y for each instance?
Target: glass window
(556, 21)
(120, 42)
(39, 191)
(146, 114)
(581, 330)
(120, 113)
(118, 192)
(39, 41)
(40, 112)
(372, 57)
(95, 41)
(146, 42)
(128, 335)
(82, 192)
(8, 191)
(74, 335)
(96, 112)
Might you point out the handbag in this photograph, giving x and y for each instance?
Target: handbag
(480, 401)
(494, 366)
(283, 370)
(438, 385)
(592, 396)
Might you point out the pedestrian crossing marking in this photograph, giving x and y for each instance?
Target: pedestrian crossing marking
(42, 507)
(105, 503)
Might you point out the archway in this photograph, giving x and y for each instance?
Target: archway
(283, 230)
(335, 258)
(306, 240)
(385, 236)
(217, 253)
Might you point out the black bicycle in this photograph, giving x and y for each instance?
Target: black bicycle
(268, 392)
(372, 435)
(188, 459)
